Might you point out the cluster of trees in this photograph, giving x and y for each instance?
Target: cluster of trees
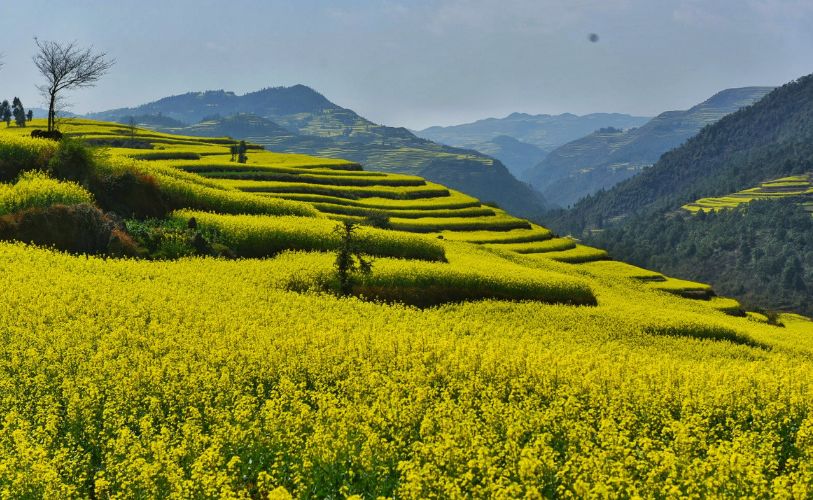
(15, 110)
(760, 253)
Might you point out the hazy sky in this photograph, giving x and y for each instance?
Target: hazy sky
(423, 62)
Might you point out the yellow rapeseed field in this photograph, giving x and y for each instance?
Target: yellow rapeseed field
(527, 367)
(204, 377)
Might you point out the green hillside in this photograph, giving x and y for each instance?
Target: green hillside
(610, 155)
(299, 120)
(771, 139)
(205, 350)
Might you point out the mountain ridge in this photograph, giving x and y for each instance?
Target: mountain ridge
(604, 158)
(312, 124)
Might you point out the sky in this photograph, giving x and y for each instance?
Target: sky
(417, 63)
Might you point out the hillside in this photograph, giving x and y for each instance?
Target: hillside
(772, 138)
(798, 188)
(481, 355)
(534, 135)
(608, 156)
(760, 252)
(300, 120)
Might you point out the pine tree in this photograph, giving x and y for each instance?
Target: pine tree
(5, 112)
(18, 111)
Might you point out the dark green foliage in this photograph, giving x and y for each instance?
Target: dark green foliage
(377, 218)
(770, 139)
(238, 152)
(760, 253)
(241, 152)
(5, 112)
(78, 228)
(129, 195)
(173, 239)
(350, 257)
(18, 111)
(30, 115)
(73, 161)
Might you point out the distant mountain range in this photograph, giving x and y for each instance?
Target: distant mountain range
(534, 135)
(300, 120)
(609, 155)
(772, 138)
(761, 252)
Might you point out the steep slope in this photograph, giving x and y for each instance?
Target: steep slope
(770, 139)
(304, 121)
(609, 156)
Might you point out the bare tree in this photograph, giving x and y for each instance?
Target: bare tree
(65, 67)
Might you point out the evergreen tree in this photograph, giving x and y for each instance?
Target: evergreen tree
(18, 111)
(5, 112)
(30, 115)
(241, 152)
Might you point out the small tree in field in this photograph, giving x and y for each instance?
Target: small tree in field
(30, 115)
(241, 152)
(18, 111)
(67, 67)
(349, 257)
(5, 112)
(131, 127)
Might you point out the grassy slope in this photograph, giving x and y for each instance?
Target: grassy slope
(211, 377)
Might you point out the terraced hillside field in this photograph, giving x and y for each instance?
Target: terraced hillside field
(795, 187)
(483, 356)
(337, 189)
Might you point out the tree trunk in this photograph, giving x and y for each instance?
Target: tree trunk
(51, 113)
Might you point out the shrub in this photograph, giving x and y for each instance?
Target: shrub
(377, 218)
(129, 194)
(350, 259)
(72, 161)
(77, 228)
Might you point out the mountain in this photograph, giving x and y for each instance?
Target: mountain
(516, 155)
(697, 213)
(771, 138)
(300, 120)
(609, 155)
(545, 132)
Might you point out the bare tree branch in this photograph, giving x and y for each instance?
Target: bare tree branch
(65, 67)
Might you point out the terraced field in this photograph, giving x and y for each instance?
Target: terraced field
(483, 356)
(333, 189)
(798, 186)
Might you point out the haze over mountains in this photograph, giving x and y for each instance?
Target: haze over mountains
(534, 135)
(608, 156)
(761, 252)
(300, 120)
